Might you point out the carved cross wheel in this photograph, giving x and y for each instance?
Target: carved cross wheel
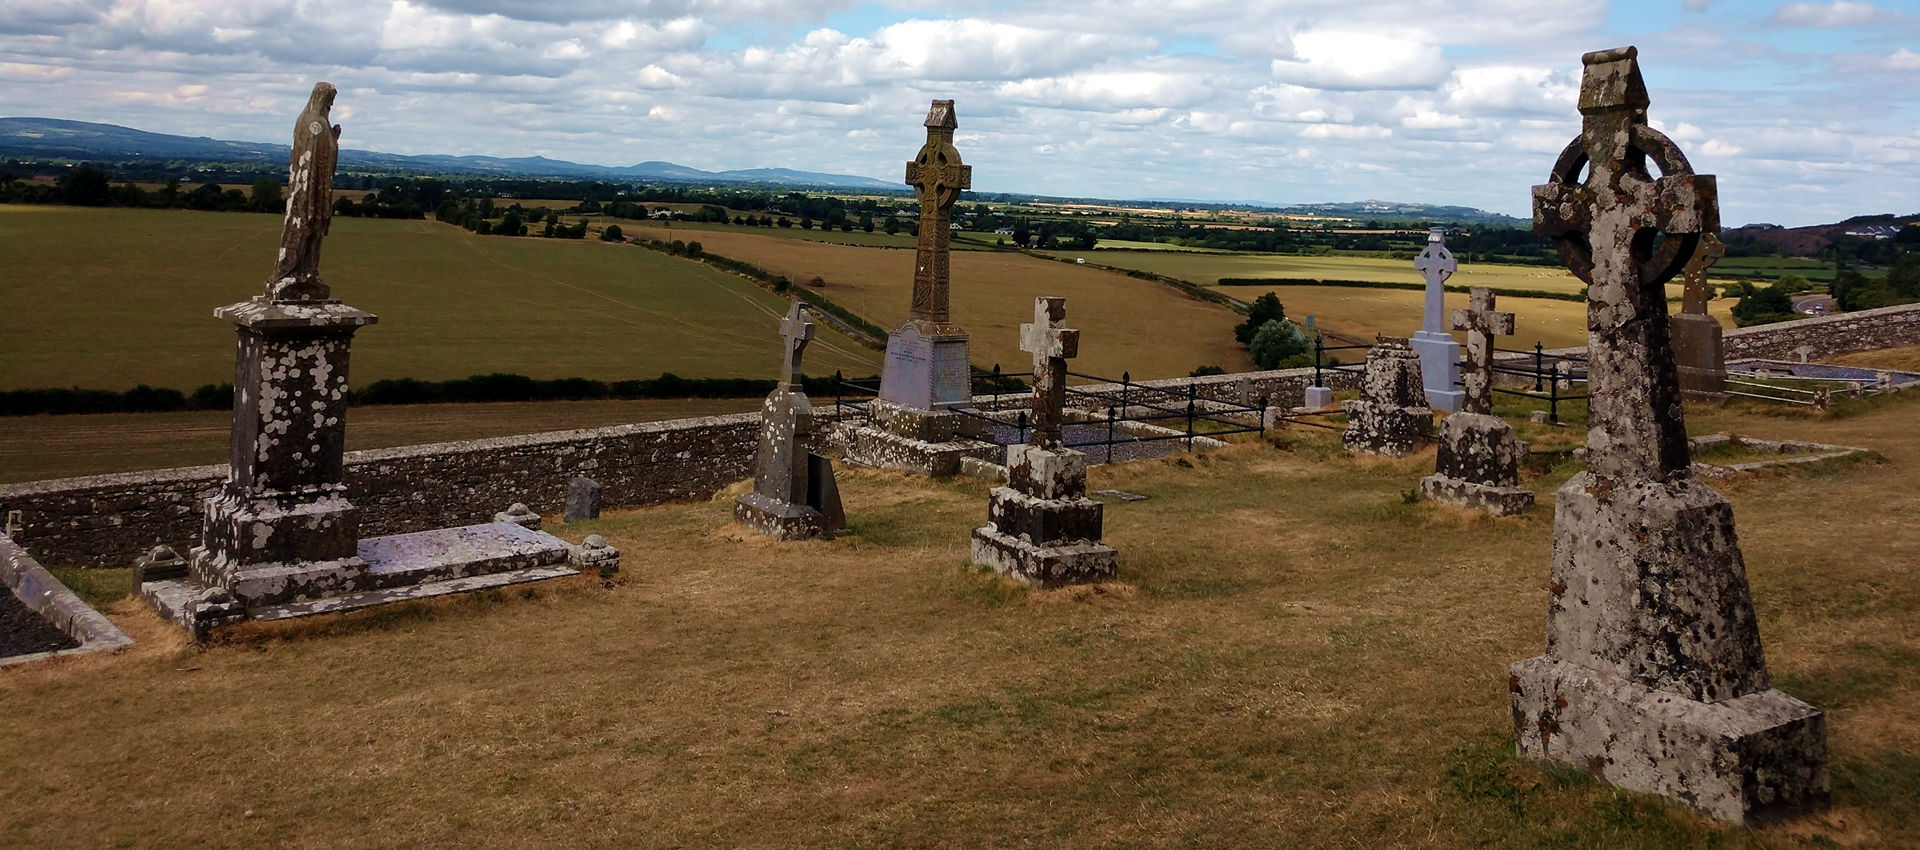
(797, 330)
(1660, 244)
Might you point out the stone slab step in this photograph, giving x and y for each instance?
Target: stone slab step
(367, 599)
(403, 560)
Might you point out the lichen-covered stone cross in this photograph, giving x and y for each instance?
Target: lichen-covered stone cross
(1626, 233)
(797, 330)
(1482, 324)
(1435, 264)
(937, 177)
(1695, 297)
(1051, 343)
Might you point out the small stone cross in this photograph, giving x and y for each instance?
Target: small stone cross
(1694, 298)
(937, 177)
(1051, 343)
(1435, 264)
(797, 329)
(1626, 233)
(1482, 324)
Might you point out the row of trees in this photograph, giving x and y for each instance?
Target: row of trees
(89, 187)
(513, 220)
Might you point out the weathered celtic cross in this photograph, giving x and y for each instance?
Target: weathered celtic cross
(1482, 324)
(1051, 343)
(1694, 299)
(937, 177)
(1435, 265)
(1626, 233)
(797, 330)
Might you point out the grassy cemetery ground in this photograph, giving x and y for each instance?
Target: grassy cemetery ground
(108, 298)
(39, 447)
(1127, 324)
(1296, 656)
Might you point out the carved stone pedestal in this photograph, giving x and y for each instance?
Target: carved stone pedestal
(1654, 678)
(1440, 369)
(1041, 528)
(1479, 466)
(1391, 417)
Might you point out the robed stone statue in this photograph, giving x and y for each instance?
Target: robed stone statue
(316, 151)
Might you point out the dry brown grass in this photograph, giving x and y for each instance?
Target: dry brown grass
(1294, 657)
(1905, 359)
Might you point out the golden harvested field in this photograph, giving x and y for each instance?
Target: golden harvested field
(33, 448)
(1126, 323)
(108, 298)
(1293, 657)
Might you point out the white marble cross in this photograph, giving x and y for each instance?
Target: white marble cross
(1051, 343)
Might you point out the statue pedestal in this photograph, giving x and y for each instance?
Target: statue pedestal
(1439, 369)
(919, 442)
(1041, 528)
(1700, 357)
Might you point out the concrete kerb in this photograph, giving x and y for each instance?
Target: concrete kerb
(1803, 453)
(39, 590)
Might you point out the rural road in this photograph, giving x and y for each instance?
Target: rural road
(1812, 304)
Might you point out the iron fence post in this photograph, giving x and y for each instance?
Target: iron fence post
(1023, 426)
(839, 415)
(1110, 418)
(1263, 417)
(996, 386)
(1190, 399)
(1126, 380)
(1539, 352)
(1319, 349)
(1554, 399)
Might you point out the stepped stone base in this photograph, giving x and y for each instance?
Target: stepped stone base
(1081, 562)
(1750, 759)
(918, 442)
(778, 520)
(1494, 499)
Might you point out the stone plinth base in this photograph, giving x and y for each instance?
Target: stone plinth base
(1084, 562)
(1439, 369)
(1317, 397)
(778, 520)
(1494, 499)
(1700, 358)
(387, 569)
(280, 547)
(919, 442)
(1041, 528)
(1384, 429)
(1752, 758)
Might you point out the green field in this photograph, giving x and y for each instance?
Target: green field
(1208, 268)
(108, 298)
(1127, 324)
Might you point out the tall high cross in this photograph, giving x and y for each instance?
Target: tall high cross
(937, 177)
(1051, 343)
(796, 329)
(1435, 264)
(1482, 324)
(1626, 233)
(1694, 299)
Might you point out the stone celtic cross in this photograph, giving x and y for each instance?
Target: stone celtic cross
(1482, 324)
(797, 330)
(1435, 264)
(1051, 343)
(937, 177)
(1695, 297)
(316, 151)
(1626, 233)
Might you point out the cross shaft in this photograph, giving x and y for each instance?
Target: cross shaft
(937, 176)
(1051, 343)
(797, 330)
(1482, 324)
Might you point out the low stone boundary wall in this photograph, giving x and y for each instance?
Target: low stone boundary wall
(108, 520)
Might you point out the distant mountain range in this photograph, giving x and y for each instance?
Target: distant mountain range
(1400, 211)
(54, 137)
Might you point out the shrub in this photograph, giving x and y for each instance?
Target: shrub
(1276, 341)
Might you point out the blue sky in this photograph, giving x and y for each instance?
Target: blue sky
(1807, 111)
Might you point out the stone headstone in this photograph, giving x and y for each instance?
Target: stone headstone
(1041, 527)
(595, 556)
(1653, 678)
(1391, 417)
(583, 500)
(1439, 353)
(790, 486)
(1478, 463)
(282, 528)
(1699, 351)
(13, 526)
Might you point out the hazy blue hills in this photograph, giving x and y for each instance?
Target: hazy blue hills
(81, 140)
